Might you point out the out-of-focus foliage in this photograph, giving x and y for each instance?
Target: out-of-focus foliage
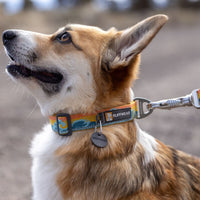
(14, 6)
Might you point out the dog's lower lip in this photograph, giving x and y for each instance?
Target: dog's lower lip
(16, 70)
(41, 75)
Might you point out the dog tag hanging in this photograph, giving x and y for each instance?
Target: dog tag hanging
(99, 139)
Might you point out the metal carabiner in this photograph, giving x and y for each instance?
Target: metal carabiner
(142, 107)
(192, 99)
(171, 103)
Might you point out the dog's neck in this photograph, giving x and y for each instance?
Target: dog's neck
(64, 123)
(101, 102)
(110, 100)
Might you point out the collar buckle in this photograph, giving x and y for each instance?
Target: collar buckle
(68, 119)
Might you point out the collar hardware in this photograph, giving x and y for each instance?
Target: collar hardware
(98, 139)
(59, 123)
(143, 109)
(100, 118)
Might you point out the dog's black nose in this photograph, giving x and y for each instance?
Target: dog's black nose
(8, 36)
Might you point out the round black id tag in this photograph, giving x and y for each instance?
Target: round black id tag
(99, 140)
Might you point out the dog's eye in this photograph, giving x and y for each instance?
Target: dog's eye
(64, 38)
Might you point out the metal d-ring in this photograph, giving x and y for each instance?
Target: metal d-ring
(143, 110)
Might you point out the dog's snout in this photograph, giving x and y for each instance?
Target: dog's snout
(8, 36)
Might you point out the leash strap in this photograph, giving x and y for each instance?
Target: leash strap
(64, 124)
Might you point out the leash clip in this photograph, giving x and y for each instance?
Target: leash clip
(143, 110)
(192, 99)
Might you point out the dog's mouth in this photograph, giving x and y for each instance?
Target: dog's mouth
(42, 75)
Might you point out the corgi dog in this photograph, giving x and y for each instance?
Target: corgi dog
(80, 70)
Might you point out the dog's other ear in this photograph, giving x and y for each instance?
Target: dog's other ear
(130, 42)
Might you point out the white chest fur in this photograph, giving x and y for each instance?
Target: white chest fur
(45, 164)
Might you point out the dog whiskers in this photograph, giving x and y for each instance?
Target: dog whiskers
(34, 108)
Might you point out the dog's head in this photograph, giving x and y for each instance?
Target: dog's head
(79, 68)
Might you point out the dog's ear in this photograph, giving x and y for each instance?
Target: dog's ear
(128, 43)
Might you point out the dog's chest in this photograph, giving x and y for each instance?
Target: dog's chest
(45, 165)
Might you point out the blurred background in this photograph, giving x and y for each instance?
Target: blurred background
(170, 67)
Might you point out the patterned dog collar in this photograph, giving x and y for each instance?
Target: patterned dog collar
(64, 124)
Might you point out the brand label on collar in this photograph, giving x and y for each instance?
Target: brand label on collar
(118, 115)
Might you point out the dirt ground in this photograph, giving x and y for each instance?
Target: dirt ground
(170, 67)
